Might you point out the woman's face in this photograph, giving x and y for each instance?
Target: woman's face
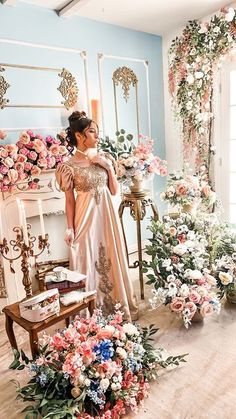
(89, 138)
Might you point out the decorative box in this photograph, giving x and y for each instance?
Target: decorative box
(41, 306)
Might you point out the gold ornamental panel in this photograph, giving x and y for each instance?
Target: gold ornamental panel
(126, 77)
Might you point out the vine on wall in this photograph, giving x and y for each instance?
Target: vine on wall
(194, 58)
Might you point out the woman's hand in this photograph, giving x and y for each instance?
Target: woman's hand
(103, 162)
(69, 236)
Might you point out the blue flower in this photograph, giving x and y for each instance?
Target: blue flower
(42, 379)
(104, 350)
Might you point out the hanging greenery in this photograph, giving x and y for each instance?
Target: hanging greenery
(194, 58)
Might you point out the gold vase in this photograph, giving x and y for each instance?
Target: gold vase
(197, 317)
(189, 208)
(137, 185)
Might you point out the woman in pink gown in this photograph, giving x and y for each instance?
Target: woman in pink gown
(94, 233)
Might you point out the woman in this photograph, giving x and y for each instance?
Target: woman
(94, 231)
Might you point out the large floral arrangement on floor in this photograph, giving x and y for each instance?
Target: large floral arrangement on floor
(95, 368)
(140, 163)
(194, 57)
(225, 263)
(28, 157)
(187, 189)
(180, 270)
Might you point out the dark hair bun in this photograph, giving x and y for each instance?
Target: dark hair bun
(75, 116)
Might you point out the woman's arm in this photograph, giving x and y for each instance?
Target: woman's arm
(70, 208)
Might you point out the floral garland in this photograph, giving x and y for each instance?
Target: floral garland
(194, 58)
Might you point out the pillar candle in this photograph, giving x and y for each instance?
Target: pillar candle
(41, 218)
(19, 211)
(95, 110)
(24, 225)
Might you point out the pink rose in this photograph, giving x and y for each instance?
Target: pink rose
(200, 281)
(19, 166)
(3, 134)
(33, 185)
(8, 162)
(3, 170)
(32, 155)
(39, 146)
(28, 166)
(43, 154)
(51, 162)
(62, 150)
(35, 171)
(206, 309)
(11, 148)
(42, 163)
(24, 138)
(192, 308)
(24, 151)
(12, 175)
(55, 149)
(177, 304)
(181, 190)
(194, 296)
(21, 158)
(5, 188)
(22, 175)
(104, 334)
(3, 153)
(206, 191)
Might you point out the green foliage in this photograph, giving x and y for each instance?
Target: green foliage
(122, 145)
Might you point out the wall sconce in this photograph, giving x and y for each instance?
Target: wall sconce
(95, 110)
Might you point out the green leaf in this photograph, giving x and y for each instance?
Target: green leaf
(117, 133)
(14, 365)
(122, 131)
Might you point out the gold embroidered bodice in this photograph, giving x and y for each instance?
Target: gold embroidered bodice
(90, 178)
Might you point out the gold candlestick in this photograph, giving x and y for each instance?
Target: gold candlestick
(25, 252)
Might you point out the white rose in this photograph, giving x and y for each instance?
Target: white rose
(190, 79)
(202, 291)
(104, 383)
(121, 352)
(230, 14)
(110, 328)
(184, 290)
(130, 329)
(225, 278)
(195, 274)
(180, 249)
(199, 74)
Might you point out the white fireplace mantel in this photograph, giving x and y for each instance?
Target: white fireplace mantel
(53, 204)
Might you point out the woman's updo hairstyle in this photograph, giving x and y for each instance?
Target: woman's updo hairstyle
(78, 123)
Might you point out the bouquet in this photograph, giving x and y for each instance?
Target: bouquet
(140, 163)
(95, 368)
(28, 157)
(181, 265)
(186, 189)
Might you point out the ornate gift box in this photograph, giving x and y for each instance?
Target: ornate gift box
(41, 306)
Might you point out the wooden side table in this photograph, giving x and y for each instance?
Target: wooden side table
(12, 314)
(137, 202)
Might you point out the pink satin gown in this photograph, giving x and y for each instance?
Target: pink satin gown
(98, 249)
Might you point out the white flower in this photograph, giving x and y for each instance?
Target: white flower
(172, 289)
(114, 387)
(180, 249)
(184, 290)
(130, 329)
(104, 384)
(87, 382)
(195, 274)
(225, 278)
(81, 379)
(170, 278)
(110, 328)
(230, 14)
(190, 79)
(189, 105)
(199, 74)
(216, 29)
(121, 352)
(203, 28)
(166, 263)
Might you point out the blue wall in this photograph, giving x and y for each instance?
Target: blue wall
(43, 26)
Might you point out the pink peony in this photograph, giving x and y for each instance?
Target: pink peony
(177, 305)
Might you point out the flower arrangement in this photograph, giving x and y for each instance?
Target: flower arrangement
(194, 57)
(140, 163)
(28, 157)
(95, 368)
(186, 189)
(180, 270)
(225, 263)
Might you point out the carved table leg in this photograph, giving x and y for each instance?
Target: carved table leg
(33, 335)
(67, 320)
(10, 331)
(91, 306)
(139, 240)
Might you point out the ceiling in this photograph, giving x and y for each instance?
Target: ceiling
(153, 16)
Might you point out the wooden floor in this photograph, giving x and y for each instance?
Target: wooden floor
(204, 388)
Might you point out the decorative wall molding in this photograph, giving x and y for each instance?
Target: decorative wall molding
(101, 58)
(82, 54)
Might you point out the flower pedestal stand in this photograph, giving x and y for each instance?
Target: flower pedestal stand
(137, 202)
